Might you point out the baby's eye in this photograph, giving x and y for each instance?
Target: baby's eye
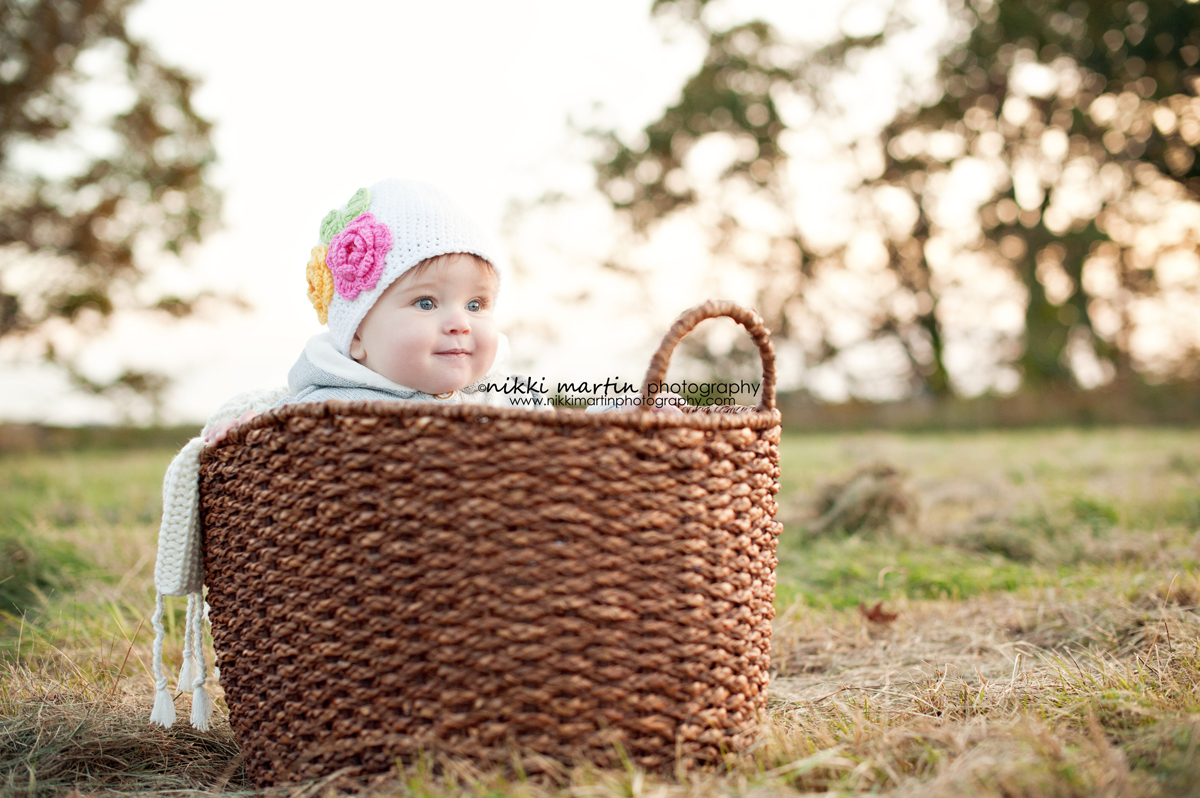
(425, 303)
(474, 306)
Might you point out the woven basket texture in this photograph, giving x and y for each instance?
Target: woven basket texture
(390, 579)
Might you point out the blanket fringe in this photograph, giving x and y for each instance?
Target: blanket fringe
(186, 674)
(202, 706)
(163, 712)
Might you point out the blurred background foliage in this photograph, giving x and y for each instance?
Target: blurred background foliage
(104, 168)
(1074, 126)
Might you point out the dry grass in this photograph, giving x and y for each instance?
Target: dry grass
(1053, 695)
(1047, 641)
(62, 730)
(1092, 695)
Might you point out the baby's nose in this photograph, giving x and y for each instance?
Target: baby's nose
(457, 323)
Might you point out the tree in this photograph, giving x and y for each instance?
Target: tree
(87, 202)
(1082, 115)
(1117, 93)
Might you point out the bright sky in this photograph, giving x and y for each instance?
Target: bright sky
(311, 103)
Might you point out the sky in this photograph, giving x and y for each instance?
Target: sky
(482, 99)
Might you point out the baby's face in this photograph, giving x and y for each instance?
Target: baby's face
(434, 331)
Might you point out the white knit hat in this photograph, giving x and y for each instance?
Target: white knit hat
(378, 235)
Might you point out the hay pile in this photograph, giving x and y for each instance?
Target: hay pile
(872, 499)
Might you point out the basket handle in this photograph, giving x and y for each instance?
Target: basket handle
(712, 309)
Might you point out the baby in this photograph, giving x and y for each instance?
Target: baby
(408, 288)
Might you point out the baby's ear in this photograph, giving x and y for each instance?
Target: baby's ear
(357, 350)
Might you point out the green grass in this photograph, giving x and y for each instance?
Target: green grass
(1048, 638)
(83, 492)
(85, 526)
(840, 573)
(998, 512)
(32, 571)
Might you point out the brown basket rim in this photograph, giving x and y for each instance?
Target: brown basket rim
(637, 420)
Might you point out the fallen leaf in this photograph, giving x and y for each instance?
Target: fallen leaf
(877, 614)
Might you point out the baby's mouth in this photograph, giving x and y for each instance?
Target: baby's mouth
(453, 353)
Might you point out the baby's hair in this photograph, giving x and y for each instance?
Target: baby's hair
(438, 260)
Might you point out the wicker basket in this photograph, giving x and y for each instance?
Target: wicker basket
(388, 579)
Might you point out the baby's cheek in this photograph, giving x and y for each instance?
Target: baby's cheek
(408, 358)
(487, 355)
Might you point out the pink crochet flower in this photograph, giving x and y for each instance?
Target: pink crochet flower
(356, 255)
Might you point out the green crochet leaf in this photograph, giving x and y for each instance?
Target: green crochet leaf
(358, 204)
(331, 225)
(335, 221)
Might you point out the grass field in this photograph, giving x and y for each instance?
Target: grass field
(1046, 641)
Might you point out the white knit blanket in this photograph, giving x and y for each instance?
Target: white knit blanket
(179, 569)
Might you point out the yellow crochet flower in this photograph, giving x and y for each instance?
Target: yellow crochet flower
(320, 282)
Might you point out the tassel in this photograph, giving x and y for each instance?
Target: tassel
(185, 670)
(185, 673)
(164, 708)
(202, 706)
(163, 712)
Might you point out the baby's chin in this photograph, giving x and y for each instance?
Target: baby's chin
(446, 380)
